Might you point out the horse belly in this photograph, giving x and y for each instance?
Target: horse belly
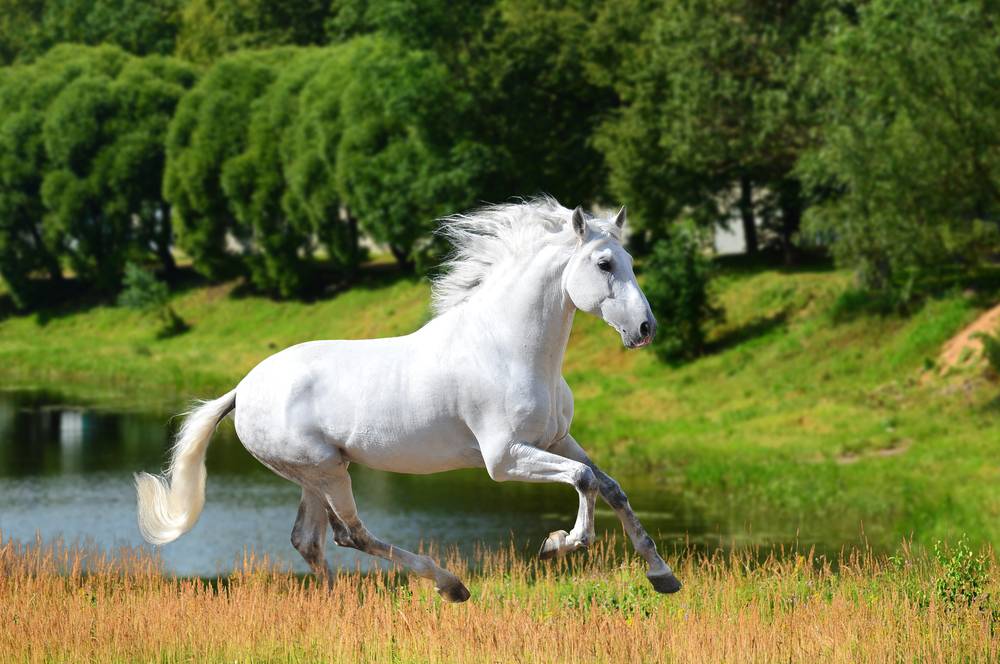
(417, 452)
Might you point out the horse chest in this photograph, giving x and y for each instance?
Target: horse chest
(537, 410)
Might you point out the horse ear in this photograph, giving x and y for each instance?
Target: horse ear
(620, 217)
(579, 223)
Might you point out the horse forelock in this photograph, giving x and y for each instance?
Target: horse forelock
(483, 238)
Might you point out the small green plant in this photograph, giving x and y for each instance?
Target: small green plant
(991, 350)
(965, 575)
(678, 275)
(142, 291)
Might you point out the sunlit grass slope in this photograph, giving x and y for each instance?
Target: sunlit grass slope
(66, 605)
(797, 416)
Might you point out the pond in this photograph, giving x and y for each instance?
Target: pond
(66, 471)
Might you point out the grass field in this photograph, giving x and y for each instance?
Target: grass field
(801, 417)
(59, 604)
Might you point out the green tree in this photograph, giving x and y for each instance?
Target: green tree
(81, 160)
(908, 165)
(104, 135)
(709, 125)
(402, 160)
(211, 28)
(520, 66)
(209, 130)
(24, 249)
(142, 291)
(535, 104)
(20, 29)
(257, 183)
(28, 28)
(678, 274)
(312, 195)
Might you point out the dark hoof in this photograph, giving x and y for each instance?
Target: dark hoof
(553, 545)
(455, 593)
(665, 583)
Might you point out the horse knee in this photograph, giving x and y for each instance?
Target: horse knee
(586, 481)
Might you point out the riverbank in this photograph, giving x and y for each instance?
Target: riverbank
(59, 604)
(801, 414)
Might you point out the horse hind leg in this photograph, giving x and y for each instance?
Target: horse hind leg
(309, 533)
(349, 531)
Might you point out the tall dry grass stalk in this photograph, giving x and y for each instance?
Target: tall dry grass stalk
(60, 603)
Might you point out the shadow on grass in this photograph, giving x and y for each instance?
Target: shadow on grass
(327, 283)
(51, 301)
(805, 263)
(752, 330)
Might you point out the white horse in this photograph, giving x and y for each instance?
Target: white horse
(479, 386)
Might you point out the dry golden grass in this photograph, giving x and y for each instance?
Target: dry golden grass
(67, 604)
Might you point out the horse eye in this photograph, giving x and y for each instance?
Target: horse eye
(605, 265)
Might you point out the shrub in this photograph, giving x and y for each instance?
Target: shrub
(991, 350)
(144, 292)
(678, 274)
(965, 576)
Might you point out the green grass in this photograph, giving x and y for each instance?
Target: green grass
(798, 418)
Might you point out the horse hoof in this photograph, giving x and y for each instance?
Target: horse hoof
(553, 545)
(455, 592)
(665, 583)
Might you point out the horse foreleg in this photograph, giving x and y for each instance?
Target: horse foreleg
(520, 461)
(351, 532)
(660, 575)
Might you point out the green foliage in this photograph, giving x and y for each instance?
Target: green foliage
(908, 165)
(965, 575)
(991, 350)
(142, 291)
(104, 137)
(210, 29)
(255, 185)
(20, 25)
(81, 133)
(678, 275)
(208, 131)
(534, 104)
(24, 249)
(400, 161)
(709, 125)
(28, 28)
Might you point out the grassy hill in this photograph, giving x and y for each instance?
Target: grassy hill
(801, 414)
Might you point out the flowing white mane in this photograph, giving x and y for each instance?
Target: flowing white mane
(486, 236)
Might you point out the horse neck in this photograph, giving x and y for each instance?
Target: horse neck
(526, 310)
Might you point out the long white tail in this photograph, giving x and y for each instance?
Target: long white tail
(170, 504)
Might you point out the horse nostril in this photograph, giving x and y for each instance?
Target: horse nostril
(644, 329)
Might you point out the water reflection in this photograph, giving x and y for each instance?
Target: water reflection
(65, 470)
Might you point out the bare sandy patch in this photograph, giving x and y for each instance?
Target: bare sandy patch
(965, 349)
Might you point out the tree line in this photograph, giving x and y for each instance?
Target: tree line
(268, 140)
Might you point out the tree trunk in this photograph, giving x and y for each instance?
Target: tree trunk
(402, 257)
(51, 262)
(791, 217)
(749, 218)
(167, 259)
(352, 231)
(163, 247)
